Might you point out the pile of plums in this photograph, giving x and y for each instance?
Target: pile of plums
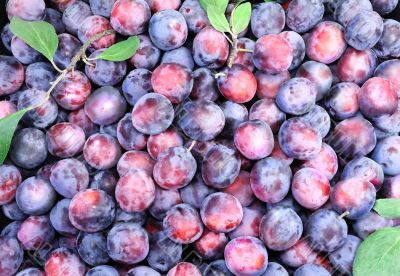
(174, 163)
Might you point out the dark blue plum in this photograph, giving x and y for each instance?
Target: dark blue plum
(23, 52)
(195, 15)
(60, 220)
(164, 253)
(127, 243)
(168, 29)
(54, 17)
(235, 114)
(384, 6)
(220, 166)
(311, 270)
(92, 248)
(267, 18)
(280, 228)
(68, 47)
(11, 256)
(181, 55)
(143, 270)
(102, 7)
(128, 137)
(270, 179)
(136, 84)
(12, 75)
(147, 56)
(217, 267)
(152, 114)
(35, 196)
(74, 15)
(102, 270)
(364, 30)
(387, 154)
(105, 72)
(12, 211)
(6, 36)
(388, 44)
(342, 259)
(369, 224)
(275, 269)
(104, 180)
(204, 85)
(201, 120)
(302, 15)
(28, 148)
(296, 96)
(11, 229)
(39, 75)
(326, 231)
(298, 45)
(347, 9)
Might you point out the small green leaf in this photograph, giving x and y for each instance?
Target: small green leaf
(122, 50)
(388, 207)
(218, 19)
(240, 18)
(379, 254)
(220, 5)
(40, 35)
(7, 126)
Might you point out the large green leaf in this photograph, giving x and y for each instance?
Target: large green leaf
(388, 207)
(240, 18)
(217, 19)
(121, 51)
(40, 35)
(379, 254)
(7, 129)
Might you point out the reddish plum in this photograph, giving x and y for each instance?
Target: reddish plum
(10, 178)
(272, 54)
(254, 139)
(65, 140)
(310, 188)
(237, 84)
(35, 232)
(342, 101)
(241, 189)
(91, 210)
(221, 212)
(175, 168)
(378, 97)
(353, 195)
(250, 225)
(210, 245)
(353, 137)
(210, 48)
(183, 269)
(92, 26)
(246, 256)
(173, 81)
(101, 151)
(183, 224)
(326, 42)
(132, 160)
(30, 10)
(268, 84)
(299, 139)
(135, 191)
(326, 162)
(356, 66)
(64, 262)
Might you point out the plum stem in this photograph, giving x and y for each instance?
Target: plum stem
(191, 145)
(346, 213)
(234, 51)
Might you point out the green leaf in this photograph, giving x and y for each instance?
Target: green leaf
(7, 128)
(40, 35)
(388, 207)
(240, 18)
(122, 50)
(218, 19)
(379, 254)
(220, 5)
